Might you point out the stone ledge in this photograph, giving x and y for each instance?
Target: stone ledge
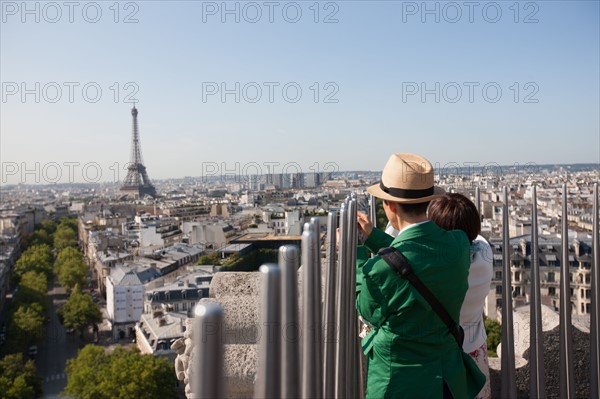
(240, 370)
(240, 318)
(235, 284)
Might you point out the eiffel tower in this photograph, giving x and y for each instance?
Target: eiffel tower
(137, 183)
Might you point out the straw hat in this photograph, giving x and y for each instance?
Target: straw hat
(407, 179)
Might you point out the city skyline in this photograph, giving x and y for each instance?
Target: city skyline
(481, 83)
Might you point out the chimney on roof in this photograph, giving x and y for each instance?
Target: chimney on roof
(576, 247)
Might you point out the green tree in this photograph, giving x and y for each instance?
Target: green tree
(209, 259)
(73, 272)
(37, 258)
(64, 237)
(48, 225)
(43, 233)
(35, 281)
(71, 269)
(493, 329)
(250, 262)
(122, 374)
(41, 236)
(80, 311)
(26, 326)
(64, 255)
(18, 379)
(71, 223)
(33, 288)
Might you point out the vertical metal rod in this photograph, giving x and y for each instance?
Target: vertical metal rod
(207, 369)
(509, 388)
(360, 362)
(478, 200)
(317, 272)
(351, 326)
(290, 328)
(595, 320)
(341, 311)
(329, 324)
(311, 319)
(567, 376)
(536, 358)
(268, 374)
(355, 325)
(373, 209)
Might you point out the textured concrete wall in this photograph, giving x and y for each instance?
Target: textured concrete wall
(239, 295)
(240, 318)
(235, 284)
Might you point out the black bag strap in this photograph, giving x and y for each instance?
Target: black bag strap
(398, 262)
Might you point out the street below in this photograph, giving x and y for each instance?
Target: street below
(58, 347)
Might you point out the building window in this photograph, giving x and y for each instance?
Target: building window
(552, 291)
(588, 308)
(572, 293)
(184, 306)
(499, 289)
(582, 309)
(582, 291)
(588, 278)
(585, 265)
(517, 291)
(517, 276)
(551, 277)
(498, 275)
(588, 294)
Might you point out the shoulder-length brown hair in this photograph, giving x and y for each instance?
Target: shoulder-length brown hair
(455, 212)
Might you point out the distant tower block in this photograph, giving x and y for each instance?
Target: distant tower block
(137, 183)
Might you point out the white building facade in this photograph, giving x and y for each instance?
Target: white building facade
(124, 301)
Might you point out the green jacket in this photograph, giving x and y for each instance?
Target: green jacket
(409, 349)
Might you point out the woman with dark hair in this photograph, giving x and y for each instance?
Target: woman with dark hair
(457, 212)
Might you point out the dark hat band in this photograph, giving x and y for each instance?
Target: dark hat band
(406, 193)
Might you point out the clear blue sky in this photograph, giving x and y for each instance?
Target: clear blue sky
(377, 58)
